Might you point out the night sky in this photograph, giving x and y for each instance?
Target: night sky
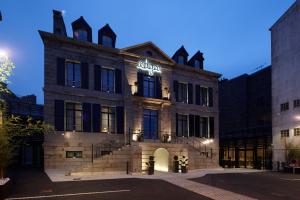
(233, 34)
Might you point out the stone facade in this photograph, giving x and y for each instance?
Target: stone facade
(131, 122)
(285, 83)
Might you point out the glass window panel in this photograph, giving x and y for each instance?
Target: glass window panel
(107, 41)
(81, 34)
(73, 117)
(73, 74)
(108, 80)
(149, 86)
(182, 92)
(180, 60)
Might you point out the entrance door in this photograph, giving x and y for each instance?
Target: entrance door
(150, 124)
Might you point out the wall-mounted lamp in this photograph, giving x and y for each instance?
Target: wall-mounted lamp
(134, 88)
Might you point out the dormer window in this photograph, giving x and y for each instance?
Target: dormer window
(180, 60)
(149, 53)
(197, 64)
(81, 34)
(107, 41)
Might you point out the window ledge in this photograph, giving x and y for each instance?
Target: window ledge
(151, 100)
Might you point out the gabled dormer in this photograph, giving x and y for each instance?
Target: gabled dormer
(181, 56)
(197, 60)
(107, 37)
(82, 30)
(59, 27)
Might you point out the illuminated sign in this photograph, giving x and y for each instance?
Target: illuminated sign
(145, 65)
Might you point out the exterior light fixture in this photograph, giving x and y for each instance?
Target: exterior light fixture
(207, 141)
(134, 88)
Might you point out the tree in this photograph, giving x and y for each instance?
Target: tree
(6, 68)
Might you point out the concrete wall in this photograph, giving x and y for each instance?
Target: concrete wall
(285, 79)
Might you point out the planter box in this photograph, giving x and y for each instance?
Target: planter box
(4, 188)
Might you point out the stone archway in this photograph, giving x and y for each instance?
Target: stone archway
(161, 158)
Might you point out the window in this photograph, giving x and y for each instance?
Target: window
(284, 106)
(181, 60)
(296, 131)
(285, 133)
(197, 64)
(204, 127)
(108, 117)
(150, 124)
(149, 86)
(73, 117)
(107, 41)
(80, 34)
(182, 128)
(296, 103)
(149, 53)
(108, 80)
(182, 92)
(73, 154)
(204, 96)
(73, 77)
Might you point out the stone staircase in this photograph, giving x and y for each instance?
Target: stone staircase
(115, 161)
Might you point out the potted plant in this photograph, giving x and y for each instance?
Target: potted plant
(183, 164)
(140, 137)
(150, 165)
(175, 164)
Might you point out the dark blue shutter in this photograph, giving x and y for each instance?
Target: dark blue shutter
(140, 78)
(177, 124)
(60, 71)
(86, 112)
(97, 77)
(118, 81)
(190, 93)
(59, 110)
(211, 127)
(158, 88)
(210, 97)
(197, 94)
(175, 85)
(120, 119)
(191, 125)
(84, 75)
(96, 117)
(197, 126)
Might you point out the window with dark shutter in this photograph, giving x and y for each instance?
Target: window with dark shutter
(175, 85)
(176, 124)
(211, 127)
(197, 126)
(86, 110)
(197, 88)
(158, 87)
(118, 81)
(190, 93)
(85, 75)
(60, 71)
(210, 97)
(96, 117)
(120, 119)
(140, 78)
(97, 77)
(59, 110)
(191, 125)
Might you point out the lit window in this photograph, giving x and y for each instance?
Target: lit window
(180, 60)
(73, 73)
(284, 106)
(296, 103)
(81, 34)
(108, 119)
(182, 128)
(108, 80)
(285, 133)
(296, 131)
(73, 154)
(182, 93)
(73, 117)
(107, 41)
(149, 86)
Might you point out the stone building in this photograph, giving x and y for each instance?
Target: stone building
(245, 121)
(285, 41)
(112, 107)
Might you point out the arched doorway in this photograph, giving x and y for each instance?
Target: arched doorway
(161, 158)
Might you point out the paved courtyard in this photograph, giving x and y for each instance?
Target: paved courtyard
(264, 185)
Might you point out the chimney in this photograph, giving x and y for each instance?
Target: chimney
(59, 27)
